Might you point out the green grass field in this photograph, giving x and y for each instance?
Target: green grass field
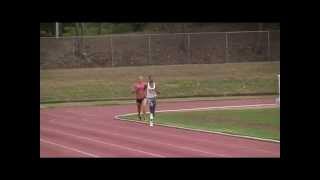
(193, 80)
(262, 123)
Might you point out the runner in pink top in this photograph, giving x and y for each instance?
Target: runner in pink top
(139, 88)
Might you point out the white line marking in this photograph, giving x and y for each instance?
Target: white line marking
(209, 108)
(214, 132)
(69, 148)
(142, 139)
(102, 142)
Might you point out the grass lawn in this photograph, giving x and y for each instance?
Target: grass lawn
(262, 123)
(192, 80)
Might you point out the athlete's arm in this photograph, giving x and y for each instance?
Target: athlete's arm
(133, 89)
(158, 92)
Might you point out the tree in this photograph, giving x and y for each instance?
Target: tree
(61, 29)
(138, 26)
(99, 28)
(83, 29)
(259, 46)
(47, 29)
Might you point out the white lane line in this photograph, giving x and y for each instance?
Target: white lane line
(143, 139)
(120, 117)
(209, 108)
(102, 142)
(69, 148)
(213, 132)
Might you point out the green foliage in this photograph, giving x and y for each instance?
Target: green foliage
(97, 28)
(47, 29)
(69, 29)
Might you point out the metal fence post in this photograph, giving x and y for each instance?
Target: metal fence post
(149, 49)
(189, 50)
(278, 99)
(111, 44)
(227, 46)
(269, 54)
(73, 47)
(279, 83)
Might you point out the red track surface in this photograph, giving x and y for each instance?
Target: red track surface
(93, 132)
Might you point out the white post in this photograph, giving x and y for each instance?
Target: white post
(57, 30)
(278, 100)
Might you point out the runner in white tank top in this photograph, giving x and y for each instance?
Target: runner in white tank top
(151, 90)
(151, 96)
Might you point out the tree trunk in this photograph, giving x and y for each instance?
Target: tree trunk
(78, 40)
(259, 44)
(82, 29)
(260, 26)
(76, 27)
(76, 43)
(53, 30)
(60, 29)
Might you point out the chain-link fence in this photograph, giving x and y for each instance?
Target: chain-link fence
(159, 49)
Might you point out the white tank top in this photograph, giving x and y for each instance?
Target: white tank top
(151, 91)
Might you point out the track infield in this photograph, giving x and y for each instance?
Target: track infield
(253, 121)
(94, 132)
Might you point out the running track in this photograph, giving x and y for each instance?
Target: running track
(93, 132)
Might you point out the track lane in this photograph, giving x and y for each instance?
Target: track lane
(90, 119)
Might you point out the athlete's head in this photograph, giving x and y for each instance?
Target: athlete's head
(140, 78)
(150, 78)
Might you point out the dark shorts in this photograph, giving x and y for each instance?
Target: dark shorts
(139, 101)
(152, 101)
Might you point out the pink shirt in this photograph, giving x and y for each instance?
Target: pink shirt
(140, 89)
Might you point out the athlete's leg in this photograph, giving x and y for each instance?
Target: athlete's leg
(144, 104)
(150, 108)
(139, 109)
(154, 107)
